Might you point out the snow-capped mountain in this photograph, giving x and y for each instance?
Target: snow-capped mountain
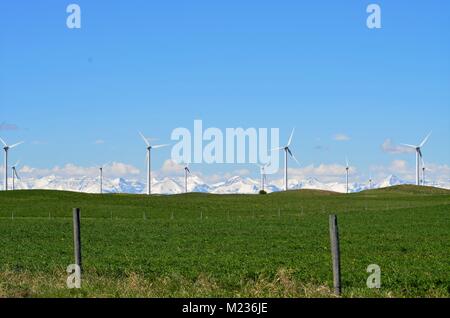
(237, 185)
(84, 184)
(392, 181)
(234, 185)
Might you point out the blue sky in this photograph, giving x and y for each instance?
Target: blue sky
(152, 66)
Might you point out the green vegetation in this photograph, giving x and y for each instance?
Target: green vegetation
(274, 245)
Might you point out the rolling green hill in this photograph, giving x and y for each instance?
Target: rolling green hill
(206, 245)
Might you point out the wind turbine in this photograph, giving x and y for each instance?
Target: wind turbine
(347, 169)
(287, 151)
(7, 148)
(262, 171)
(186, 172)
(418, 156)
(370, 181)
(101, 176)
(149, 172)
(14, 175)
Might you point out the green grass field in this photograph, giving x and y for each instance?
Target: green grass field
(199, 245)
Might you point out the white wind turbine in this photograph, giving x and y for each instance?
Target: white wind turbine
(370, 181)
(14, 175)
(418, 156)
(7, 148)
(287, 151)
(347, 169)
(149, 171)
(262, 171)
(101, 176)
(186, 172)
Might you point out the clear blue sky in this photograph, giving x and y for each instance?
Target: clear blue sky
(153, 66)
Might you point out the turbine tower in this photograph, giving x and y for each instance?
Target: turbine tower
(347, 169)
(7, 148)
(101, 180)
(14, 175)
(101, 176)
(186, 172)
(149, 171)
(287, 152)
(418, 156)
(423, 173)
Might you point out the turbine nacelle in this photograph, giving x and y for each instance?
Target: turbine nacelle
(6, 147)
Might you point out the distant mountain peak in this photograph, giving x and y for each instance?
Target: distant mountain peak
(174, 185)
(392, 180)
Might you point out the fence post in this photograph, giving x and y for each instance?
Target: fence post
(77, 236)
(335, 252)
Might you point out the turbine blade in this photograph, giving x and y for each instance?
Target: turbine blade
(3, 142)
(420, 153)
(145, 139)
(293, 157)
(410, 146)
(260, 167)
(160, 146)
(17, 176)
(278, 148)
(15, 145)
(346, 162)
(187, 169)
(16, 164)
(290, 138)
(425, 140)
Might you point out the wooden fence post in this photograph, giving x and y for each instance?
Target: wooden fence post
(77, 236)
(335, 252)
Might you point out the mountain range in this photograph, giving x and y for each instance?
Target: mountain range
(234, 185)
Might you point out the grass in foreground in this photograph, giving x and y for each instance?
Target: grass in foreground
(199, 245)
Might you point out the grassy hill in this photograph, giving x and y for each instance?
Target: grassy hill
(205, 245)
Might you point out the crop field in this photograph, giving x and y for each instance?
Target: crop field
(201, 245)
